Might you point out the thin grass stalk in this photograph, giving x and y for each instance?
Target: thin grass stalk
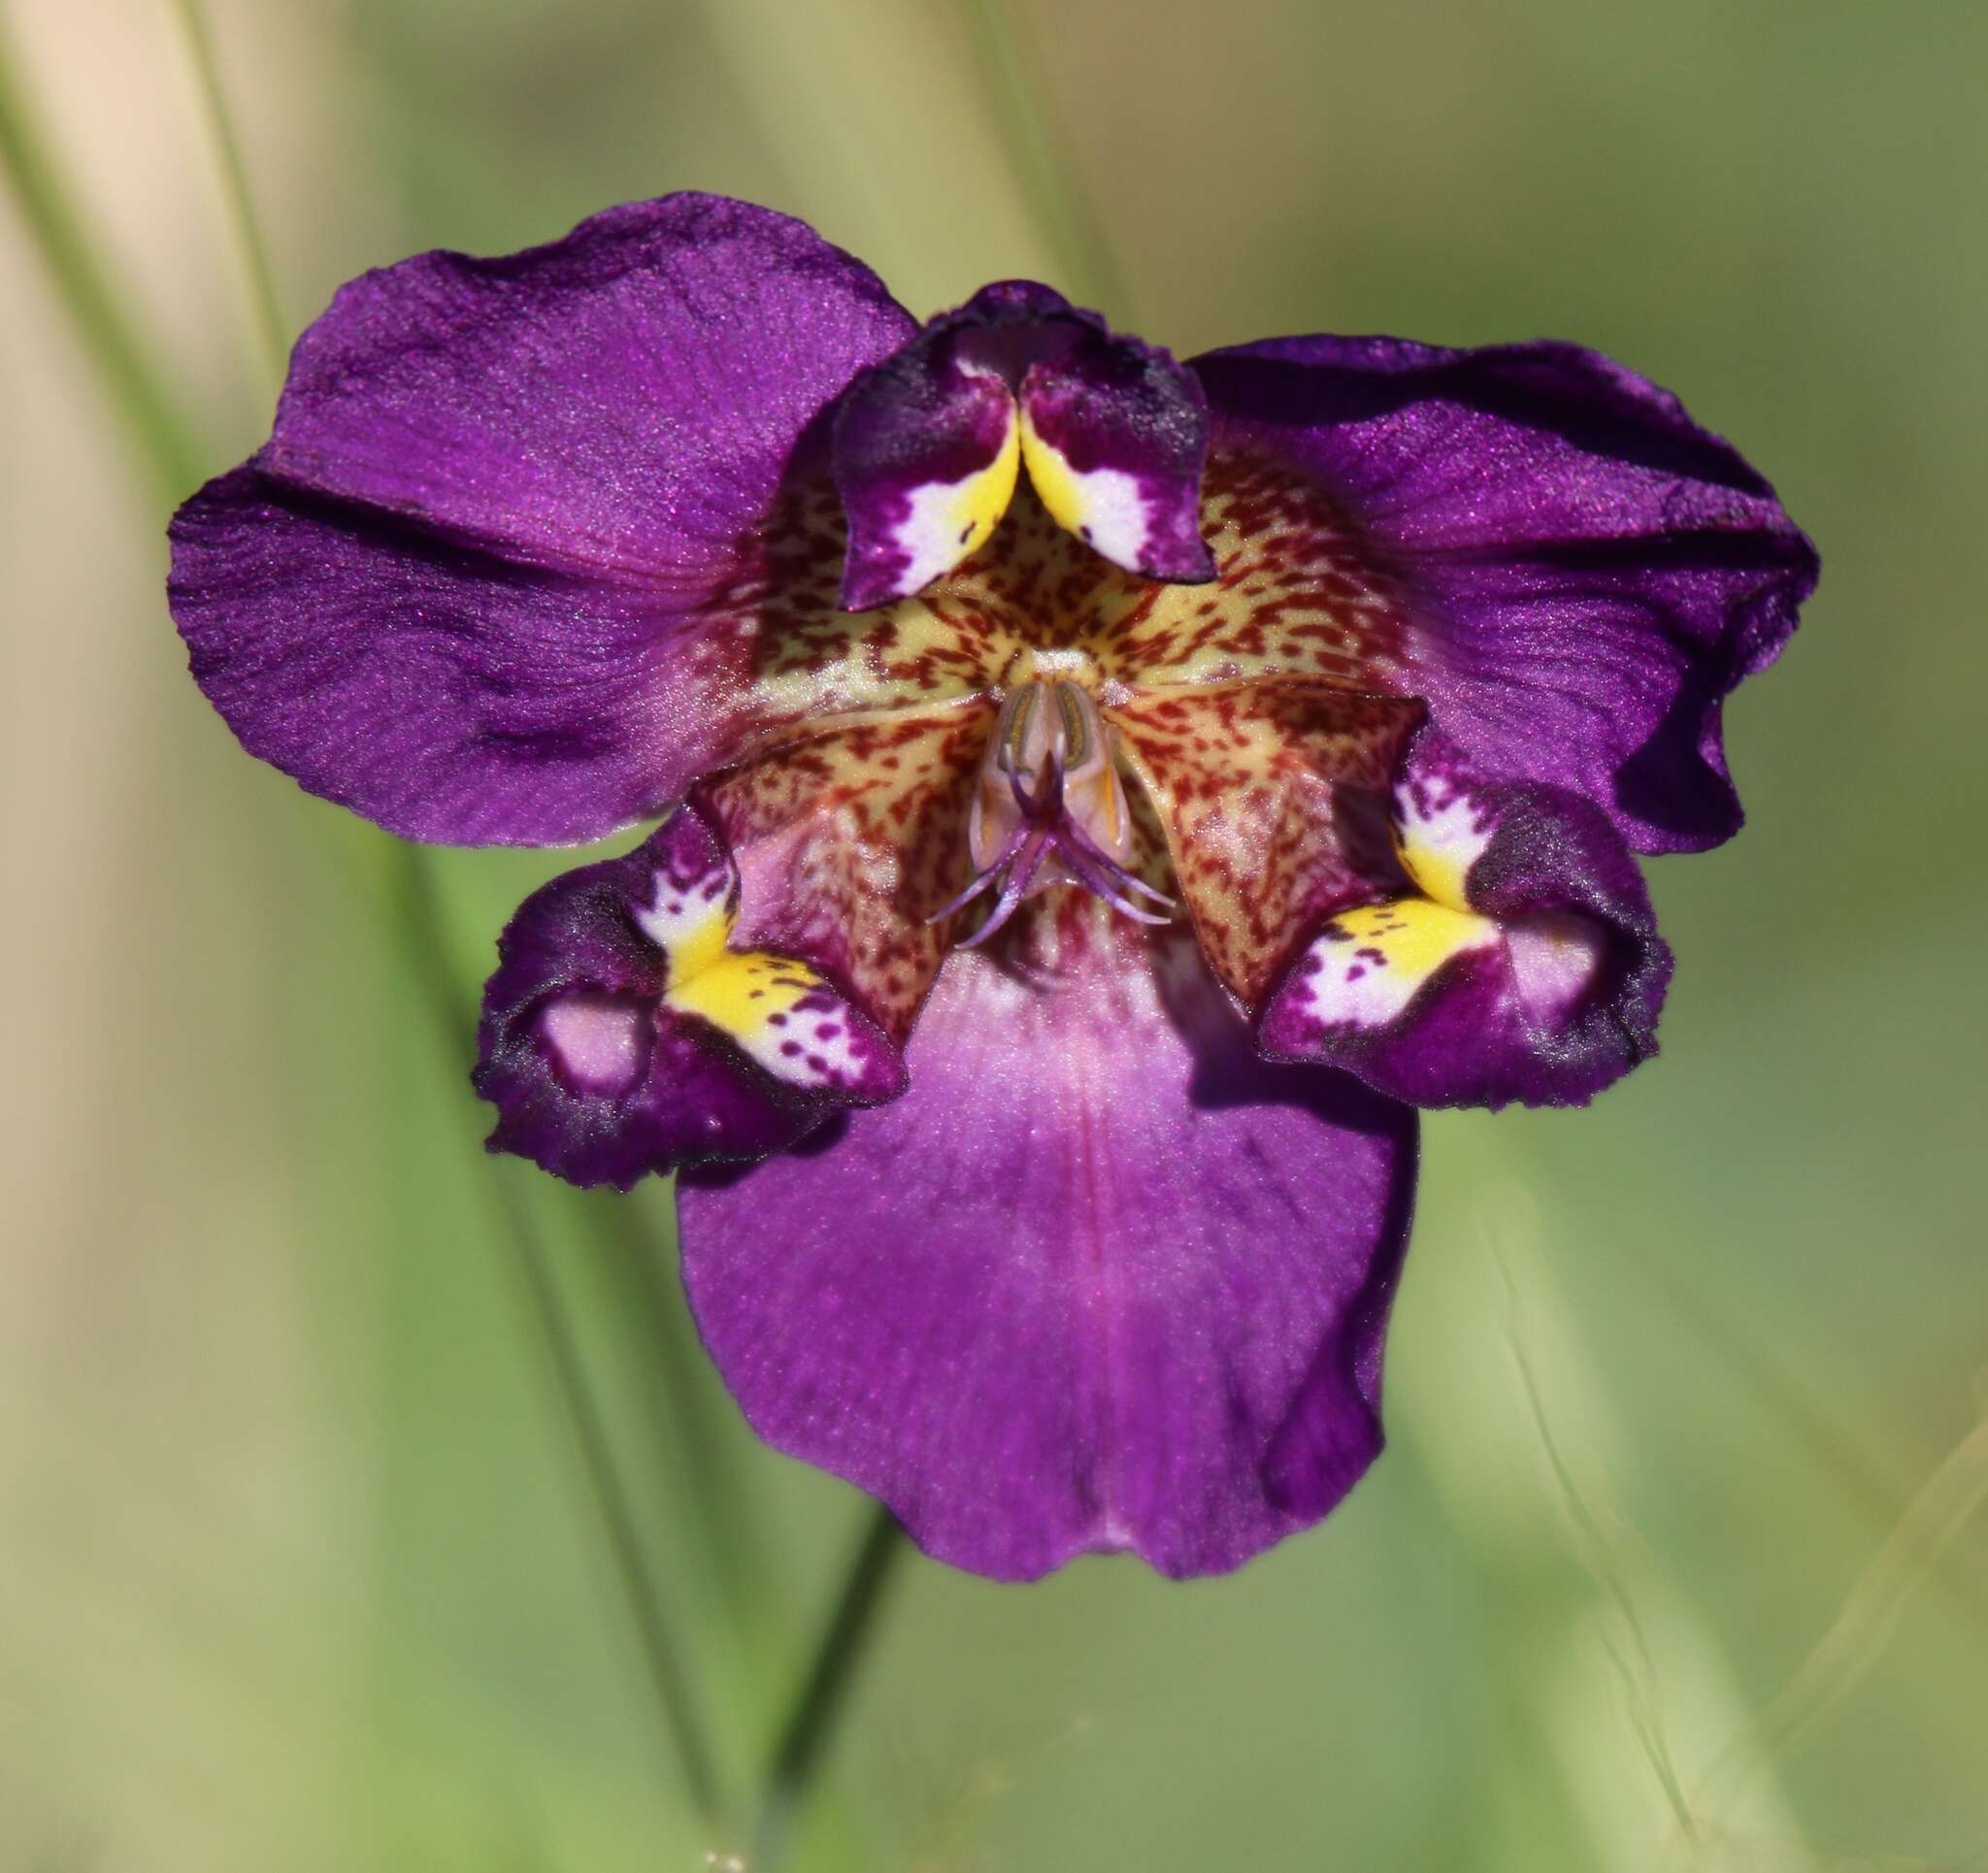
(418, 913)
(616, 1225)
(272, 329)
(641, 1288)
(1044, 167)
(1637, 1665)
(163, 440)
(811, 1725)
(654, 1622)
(1948, 1502)
(1804, 1419)
(166, 448)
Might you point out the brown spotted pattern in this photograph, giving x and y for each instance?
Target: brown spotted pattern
(1273, 795)
(775, 658)
(1236, 704)
(1294, 597)
(847, 841)
(1296, 594)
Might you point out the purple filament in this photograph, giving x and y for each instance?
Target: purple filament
(1047, 826)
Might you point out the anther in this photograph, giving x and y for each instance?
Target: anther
(1050, 809)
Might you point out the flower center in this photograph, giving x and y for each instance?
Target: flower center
(1050, 808)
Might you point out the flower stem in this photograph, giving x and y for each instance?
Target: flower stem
(811, 1724)
(164, 442)
(272, 331)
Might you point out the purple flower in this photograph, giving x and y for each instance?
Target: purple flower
(1099, 797)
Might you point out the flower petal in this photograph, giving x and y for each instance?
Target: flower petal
(621, 1034)
(525, 552)
(1115, 437)
(927, 449)
(1578, 572)
(1273, 796)
(1521, 961)
(850, 841)
(928, 444)
(623, 399)
(439, 691)
(1103, 1280)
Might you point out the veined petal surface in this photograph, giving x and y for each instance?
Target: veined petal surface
(850, 840)
(1273, 796)
(1118, 1284)
(528, 550)
(1578, 574)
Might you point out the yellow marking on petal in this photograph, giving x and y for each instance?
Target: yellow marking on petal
(1415, 935)
(1103, 505)
(736, 991)
(948, 520)
(1439, 874)
(1056, 480)
(700, 947)
(739, 991)
(1373, 960)
(984, 497)
(1438, 844)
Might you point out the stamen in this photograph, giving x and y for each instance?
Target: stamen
(1049, 745)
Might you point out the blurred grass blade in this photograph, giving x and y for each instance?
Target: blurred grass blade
(164, 441)
(1042, 160)
(642, 1297)
(668, 1668)
(804, 1737)
(1785, 1398)
(1950, 1497)
(272, 332)
(168, 449)
(1637, 1665)
(419, 920)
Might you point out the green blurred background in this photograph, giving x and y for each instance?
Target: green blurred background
(1671, 1562)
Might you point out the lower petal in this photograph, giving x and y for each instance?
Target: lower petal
(1102, 1280)
(622, 1035)
(1520, 963)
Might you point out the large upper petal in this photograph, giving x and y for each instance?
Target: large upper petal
(1537, 540)
(624, 399)
(529, 547)
(1103, 1279)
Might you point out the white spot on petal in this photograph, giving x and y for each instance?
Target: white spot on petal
(1554, 957)
(601, 1042)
